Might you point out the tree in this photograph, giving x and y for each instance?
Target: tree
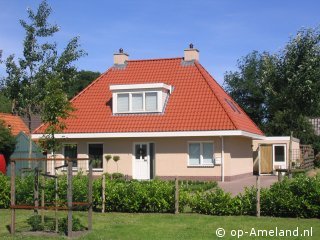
(84, 78)
(26, 79)
(7, 141)
(281, 91)
(55, 109)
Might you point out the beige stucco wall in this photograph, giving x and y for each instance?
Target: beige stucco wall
(171, 155)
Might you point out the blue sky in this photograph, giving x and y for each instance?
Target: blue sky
(223, 30)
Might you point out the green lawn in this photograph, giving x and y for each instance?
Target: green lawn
(167, 226)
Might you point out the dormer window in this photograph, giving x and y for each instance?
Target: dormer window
(140, 98)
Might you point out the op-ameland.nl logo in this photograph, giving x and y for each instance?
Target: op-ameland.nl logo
(276, 232)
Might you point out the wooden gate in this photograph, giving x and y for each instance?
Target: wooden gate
(266, 164)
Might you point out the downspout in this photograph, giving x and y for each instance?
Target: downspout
(222, 159)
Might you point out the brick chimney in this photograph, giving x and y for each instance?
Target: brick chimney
(191, 53)
(120, 58)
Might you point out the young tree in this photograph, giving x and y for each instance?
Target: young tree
(27, 77)
(55, 109)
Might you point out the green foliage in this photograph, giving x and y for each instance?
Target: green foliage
(4, 191)
(26, 78)
(118, 176)
(297, 197)
(83, 79)
(76, 225)
(108, 157)
(7, 141)
(280, 92)
(55, 109)
(5, 104)
(35, 223)
(317, 161)
(49, 224)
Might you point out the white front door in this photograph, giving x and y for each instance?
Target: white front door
(141, 161)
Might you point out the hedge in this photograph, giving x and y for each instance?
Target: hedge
(297, 197)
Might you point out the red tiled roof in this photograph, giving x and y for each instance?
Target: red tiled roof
(197, 103)
(15, 123)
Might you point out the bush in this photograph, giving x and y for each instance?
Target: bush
(317, 161)
(118, 176)
(76, 225)
(4, 191)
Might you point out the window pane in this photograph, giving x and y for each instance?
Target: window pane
(151, 101)
(207, 153)
(140, 151)
(95, 154)
(70, 151)
(194, 153)
(123, 102)
(137, 102)
(279, 153)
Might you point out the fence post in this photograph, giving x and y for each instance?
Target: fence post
(176, 198)
(90, 197)
(56, 202)
(36, 190)
(13, 197)
(258, 196)
(42, 199)
(290, 155)
(69, 197)
(103, 192)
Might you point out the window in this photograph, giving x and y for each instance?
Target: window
(71, 151)
(137, 102)
(279, 153)
(140, 98)
(96, 155)
(151, 101)
(200, 153)
(123, 102)
(232, 106)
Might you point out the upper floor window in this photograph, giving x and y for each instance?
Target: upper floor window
(139, 98)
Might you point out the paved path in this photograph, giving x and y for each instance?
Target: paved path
(237, 186)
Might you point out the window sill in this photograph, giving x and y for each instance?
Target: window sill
(96, 170)
(200, 166)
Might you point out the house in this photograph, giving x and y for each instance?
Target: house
(274, 153)
(163, 118)
(21, 133)
(14, 123)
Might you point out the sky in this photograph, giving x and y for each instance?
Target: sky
(222, 30)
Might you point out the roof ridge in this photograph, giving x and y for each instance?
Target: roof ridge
(155, 59)
(200, 68)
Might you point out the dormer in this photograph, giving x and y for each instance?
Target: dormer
(139, 98)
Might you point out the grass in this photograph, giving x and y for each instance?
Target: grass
(165, 226)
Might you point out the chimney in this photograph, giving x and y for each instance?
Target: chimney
(120, 58)
(191, 53)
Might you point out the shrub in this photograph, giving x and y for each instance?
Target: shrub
(118, 176)
(317, 161)
(76, 225)
(216, 202)
(4, 191)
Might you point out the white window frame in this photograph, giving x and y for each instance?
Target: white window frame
(201, 154)
(63, 145)
(158, 108)
(96, 169)
(274, 154)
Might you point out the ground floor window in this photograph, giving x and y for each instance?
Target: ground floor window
(71, 151)
(200, 153)
(279, 153)
(96, 155)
